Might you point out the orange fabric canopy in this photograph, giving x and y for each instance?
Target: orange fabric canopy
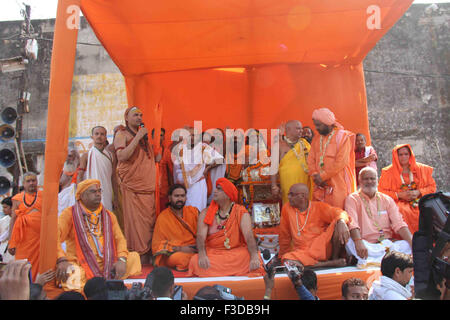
(295, 55)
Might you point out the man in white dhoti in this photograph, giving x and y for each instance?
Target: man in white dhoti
(191, 168)
(98, 164)
(375, 221)
(68, 180)
(4, 230)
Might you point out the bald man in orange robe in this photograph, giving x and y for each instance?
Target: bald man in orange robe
(331, 160)
(136, 173)
(406, 181)
(312, 233)
(25, 223)
(174, 238)
(225, 242)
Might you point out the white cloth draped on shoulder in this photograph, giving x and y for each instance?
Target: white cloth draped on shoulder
(100, 167)
(194, 162)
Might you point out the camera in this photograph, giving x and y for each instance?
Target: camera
(271, 262)
(293, 272)
(225, 293)
(116, 290)
(430, 268)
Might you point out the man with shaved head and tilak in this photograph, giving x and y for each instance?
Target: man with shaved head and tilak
(312, 233)
(136, 172)
(293, 167)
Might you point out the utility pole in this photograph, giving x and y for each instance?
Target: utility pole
(23, 99)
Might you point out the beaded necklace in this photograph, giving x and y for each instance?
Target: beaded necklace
(323, 149)
(306, 220)
(32, 203)
(221, 225)
(369, 213)
(298, 156)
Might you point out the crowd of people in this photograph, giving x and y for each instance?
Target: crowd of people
(133, 203)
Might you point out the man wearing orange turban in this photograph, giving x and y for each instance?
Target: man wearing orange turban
(331, 161)
(136, 171)
(95, 245)
(225, 242)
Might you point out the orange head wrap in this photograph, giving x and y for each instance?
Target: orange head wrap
(325, 116)
(230, 190)
(83, 186)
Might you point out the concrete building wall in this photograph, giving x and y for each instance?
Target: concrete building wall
(406, 76)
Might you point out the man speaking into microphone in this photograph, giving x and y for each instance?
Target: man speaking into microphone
(136, 172)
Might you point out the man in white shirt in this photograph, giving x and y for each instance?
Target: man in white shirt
(396, 269)
(4, 230)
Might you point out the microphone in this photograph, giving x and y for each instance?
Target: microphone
(146, 135)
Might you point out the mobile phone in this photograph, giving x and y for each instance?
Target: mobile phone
(177, 293)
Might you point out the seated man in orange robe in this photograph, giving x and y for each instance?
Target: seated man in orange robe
(25, 223)
(406, 181)
(174, 237)
(95, 245)
(225, 241)
(331, 160)
(312, 233)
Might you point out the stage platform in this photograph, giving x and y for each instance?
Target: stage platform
(329, 283)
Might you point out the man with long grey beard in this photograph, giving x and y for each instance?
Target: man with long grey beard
(375, 222)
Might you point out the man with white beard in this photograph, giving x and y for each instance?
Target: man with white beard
(375, 221)
(67, 181)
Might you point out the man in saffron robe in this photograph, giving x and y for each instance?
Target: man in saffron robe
(406, 181)
(331, 161)
(174, 239)
(225, 241)
(25, 223)
(136, 172)
(293, 167)
(365, 156)
(375, 220)
(312, 233)
(98, 163)
(95, 245)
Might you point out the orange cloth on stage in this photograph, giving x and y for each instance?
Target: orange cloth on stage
(226, 262)
(137, 185)
(165, 170)
(26, 232)
(316, 227)
(67, 233)
(390, 183)
(338, 169)
(170, 232)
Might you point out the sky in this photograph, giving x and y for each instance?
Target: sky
(44, 9)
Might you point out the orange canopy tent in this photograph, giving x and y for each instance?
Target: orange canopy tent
(237, 63)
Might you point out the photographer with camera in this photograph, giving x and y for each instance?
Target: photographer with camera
(163, 286)
(304, 281)
(431, 248)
